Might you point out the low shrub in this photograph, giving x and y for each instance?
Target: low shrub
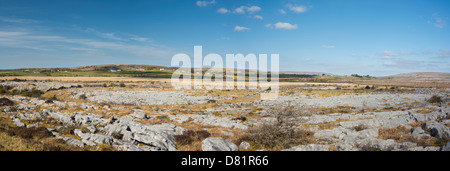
(6, 102)
(435, 99)
(29, 133)
(284, 133)
(273, 136)
(117, 135)
(190, 136)
(183, 139)
(2, 91)
(25, 92)
(241, 118)
(360, 127)
(18, 80)
(83, 97)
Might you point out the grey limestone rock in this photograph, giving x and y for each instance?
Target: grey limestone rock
(218, 144)
(436, 129)
(309, 147)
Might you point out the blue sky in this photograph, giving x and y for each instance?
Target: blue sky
(379, 37)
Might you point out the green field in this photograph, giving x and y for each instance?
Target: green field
(151, 71)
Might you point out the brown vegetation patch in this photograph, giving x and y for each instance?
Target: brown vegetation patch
(6, 102)
(191, 140)
(30, 139)
(282, 134)
(402, 134)
(435, 99)
(28, 133)
(331, 125)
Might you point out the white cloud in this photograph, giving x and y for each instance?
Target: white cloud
(438, 21)
(253, 9)
(258, 17)
(223, 10)
(328, 46)
(240, 10)
(268, 25)
(296, 9)
(110, 36)
(7, 34)
(140, 39)
(239, 28)
(443, 52)
(82, 49)
(358, 56)
(113, 36)
(205, 3)
(29, 40)
(287, 26)
(282, 11)
(17, 20)
(389, 64)
(404, 64)
(245, 9)
(389, 55)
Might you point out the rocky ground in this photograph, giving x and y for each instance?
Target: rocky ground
(134, 118)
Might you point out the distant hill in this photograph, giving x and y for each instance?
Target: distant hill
(434, 75)
(423, 76)
(309, 73)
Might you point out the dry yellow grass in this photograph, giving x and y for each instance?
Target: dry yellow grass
(12, 142)
(330, 125)
(423, 110)
(402, 134)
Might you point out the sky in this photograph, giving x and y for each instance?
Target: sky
(375, 37)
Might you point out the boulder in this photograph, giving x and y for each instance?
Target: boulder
(418, 133)
(160, 140)
(157, 137)
(127, 146)
(424, 149)
(65, 119)
(227, 133)
(446, 122)
(73, 141)
(244, 145)
(89, 119)
(139, 114)
(92, 129)
(437, 130)
(17, 121)
(33, 125)
(218, 144)
(96, 138)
